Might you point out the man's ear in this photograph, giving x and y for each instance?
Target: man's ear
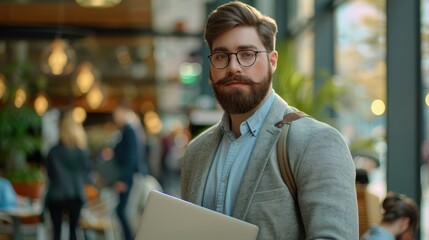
(273, 60)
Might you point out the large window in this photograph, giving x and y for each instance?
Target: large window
(425, 148)
(361, 68)
(425, 72)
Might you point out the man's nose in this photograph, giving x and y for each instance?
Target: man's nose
(233, 65)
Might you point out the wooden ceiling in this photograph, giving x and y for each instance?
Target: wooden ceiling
(128, 14)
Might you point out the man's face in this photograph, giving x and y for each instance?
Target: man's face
(118, 115)
(241, 89)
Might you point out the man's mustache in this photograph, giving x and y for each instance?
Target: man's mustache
(236, 78)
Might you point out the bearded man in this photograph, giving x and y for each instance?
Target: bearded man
(232, 167)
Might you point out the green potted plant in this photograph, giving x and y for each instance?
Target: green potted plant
(20, 134)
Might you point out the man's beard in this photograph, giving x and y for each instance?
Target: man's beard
(238, 101)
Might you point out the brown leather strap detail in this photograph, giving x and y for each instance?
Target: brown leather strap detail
(290, 117)
(283, 162)
(282, 157)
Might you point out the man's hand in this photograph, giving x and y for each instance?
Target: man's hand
(107, 153)
(120, 187)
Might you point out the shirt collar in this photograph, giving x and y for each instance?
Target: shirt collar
(254, 122)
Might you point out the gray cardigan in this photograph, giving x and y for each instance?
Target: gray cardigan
(322, 167)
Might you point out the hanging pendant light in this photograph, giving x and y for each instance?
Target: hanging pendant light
(98, 3)
(95, 97)
(3, 87)
(41, 104)
(59, 58)
(85, 78)
(20, 97)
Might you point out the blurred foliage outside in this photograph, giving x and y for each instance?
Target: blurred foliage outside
(322, 103)
(298, 90)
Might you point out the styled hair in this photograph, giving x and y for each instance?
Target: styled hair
(234, 14)
(397, 206)
(125, 104)
(72, 133)
(127, 114)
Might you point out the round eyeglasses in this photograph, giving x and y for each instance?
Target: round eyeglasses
(245, 58)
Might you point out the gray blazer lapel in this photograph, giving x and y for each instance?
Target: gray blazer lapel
(266, 141)
(201, 160)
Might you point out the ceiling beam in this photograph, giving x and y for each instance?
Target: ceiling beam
(70, 14)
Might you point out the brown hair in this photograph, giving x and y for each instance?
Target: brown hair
(397, 206)
(233, 14)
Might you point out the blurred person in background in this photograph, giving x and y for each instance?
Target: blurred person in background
(128, 156)
(400, 219)
(68, 166)
(8, 197)
(142, 159)
(173, 147)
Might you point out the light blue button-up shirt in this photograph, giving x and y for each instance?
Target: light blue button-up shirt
(231, 160)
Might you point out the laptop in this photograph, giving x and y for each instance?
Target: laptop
(167, 217)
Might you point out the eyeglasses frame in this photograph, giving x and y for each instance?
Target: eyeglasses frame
(236, 56)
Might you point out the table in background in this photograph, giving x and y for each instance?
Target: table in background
(19, 212)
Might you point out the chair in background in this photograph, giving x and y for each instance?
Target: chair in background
(5, 227)
(368, 203)
(138, 197)
(98, 216)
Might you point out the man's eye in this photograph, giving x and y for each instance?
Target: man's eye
(220, 56)
(246, 55)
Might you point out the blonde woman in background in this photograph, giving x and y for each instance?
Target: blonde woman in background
(68, 167)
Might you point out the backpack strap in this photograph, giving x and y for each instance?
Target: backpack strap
(282, 157)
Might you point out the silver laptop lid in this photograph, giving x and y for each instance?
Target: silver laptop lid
(166, 217)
